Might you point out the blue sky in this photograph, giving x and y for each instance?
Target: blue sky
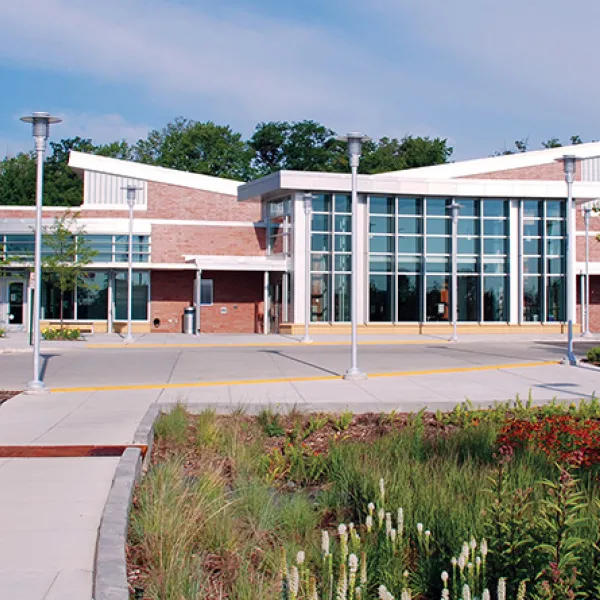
(477, 72)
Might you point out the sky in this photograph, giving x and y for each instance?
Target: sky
(480, 73)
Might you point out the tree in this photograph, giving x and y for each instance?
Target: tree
(298, 146)
(17, 180)
(196, 147)
(68, 255)
(552, 143)
(408, 153)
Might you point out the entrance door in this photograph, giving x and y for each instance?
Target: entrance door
(275, 305)
(16, 298)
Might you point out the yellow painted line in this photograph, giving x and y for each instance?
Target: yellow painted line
(267, 345)
(201, 384)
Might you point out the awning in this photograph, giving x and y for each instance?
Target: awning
(239, 263)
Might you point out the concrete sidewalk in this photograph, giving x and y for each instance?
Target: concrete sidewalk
(50, 509)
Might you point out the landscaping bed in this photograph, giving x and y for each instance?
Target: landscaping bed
(7, 395)
(305, 506)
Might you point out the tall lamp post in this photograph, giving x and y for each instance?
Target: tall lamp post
(569, 163)
(587, 211)
(355, 143)
(308, 198)
(454, 211)
(41, 122)
(131, 193)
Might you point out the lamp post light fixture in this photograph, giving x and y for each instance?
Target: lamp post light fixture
(587, 211)
(131, 194)
(454, 211)
(308, 198)
(569, 165)
(355, 142)
(41, 122)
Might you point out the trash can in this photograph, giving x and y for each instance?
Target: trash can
(189, 320)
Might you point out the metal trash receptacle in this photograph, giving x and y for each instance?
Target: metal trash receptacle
(189, 320)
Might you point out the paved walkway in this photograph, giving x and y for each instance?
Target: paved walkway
(50, 509)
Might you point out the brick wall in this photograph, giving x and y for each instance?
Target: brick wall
(594, 304)
(240, 294)
(171, 242)
(594, 248)
(549, 172)
(173, 202)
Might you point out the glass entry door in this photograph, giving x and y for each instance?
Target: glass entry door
(16, 298)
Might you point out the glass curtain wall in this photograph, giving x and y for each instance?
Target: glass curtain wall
(410, 259)
(544, 227)
(330, 258)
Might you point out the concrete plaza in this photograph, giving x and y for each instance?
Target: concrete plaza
(50, 508)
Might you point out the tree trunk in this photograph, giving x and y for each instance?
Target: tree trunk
(62, 310)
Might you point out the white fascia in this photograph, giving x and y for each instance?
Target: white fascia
(289, 181)
(125, 168)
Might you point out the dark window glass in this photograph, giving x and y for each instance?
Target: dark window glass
(438, 206)
(381, 264)
(341, 298)
(532, 265)
(410, 206)
(438, 226)
(92, 300)
(343, 203)
(410, 225)
(51, 300)
(468, 298)
(381, 225)
(555, 247)
(495, 299)
(531, 298)
(468, 227)
(466, 264)
(320, 297)
(320, 262)
(382, 205)
(321, 203)
(494, 265)
(555, 299)
(321, 222)
(380, 298)
(532, 246)
(206, 292)
(468, 208)
(435, 264)
(556, 266)
(409, 264)
(494, 246)
(141, 293)
(495, 227)
(555, 209)
(555, 228)
(343, 243)
(409, 245)
(343, 262)
(381, 243)
(343, 223)
(468, 245)
(532, 208)
(439, 245)
(409, 297)
(532, 228)
(321, 242)
(494, 208)
(438, 298)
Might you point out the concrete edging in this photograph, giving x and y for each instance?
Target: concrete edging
(110, 572)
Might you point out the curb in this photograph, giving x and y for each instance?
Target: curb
(110, 572)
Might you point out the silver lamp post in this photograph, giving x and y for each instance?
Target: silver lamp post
(131, 193)
(569, 164)
(41, 122)
(455, 210)
(308, 198)
(587, 211)
(355, 143)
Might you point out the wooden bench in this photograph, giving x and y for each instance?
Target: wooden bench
(83, 326)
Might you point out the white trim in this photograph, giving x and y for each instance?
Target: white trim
(204, 223)
(238, 263)
(492, 164)
(125, 168)
(369, 184)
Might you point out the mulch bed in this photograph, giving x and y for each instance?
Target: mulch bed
(7, 395)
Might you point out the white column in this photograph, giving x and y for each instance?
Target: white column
(362, 241)
(515, 262)
(299, 254)
(109, 302)
(198, 299)
(266, 303)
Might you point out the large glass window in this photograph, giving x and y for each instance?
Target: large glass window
(543, 230)
(331, 257)
(422, 242)
(51, 302)
(278, 217)
(140, 296)
(92, 299)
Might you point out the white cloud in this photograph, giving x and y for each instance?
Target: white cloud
(102, 129)
(250, 66)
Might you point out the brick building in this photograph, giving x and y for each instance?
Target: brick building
(234, 249)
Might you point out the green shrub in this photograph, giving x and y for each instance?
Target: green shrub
(270, 423)
(173, 426)
(2, 332)
(593, 354)
(68, 335)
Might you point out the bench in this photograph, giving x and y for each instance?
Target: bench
(83, 326)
